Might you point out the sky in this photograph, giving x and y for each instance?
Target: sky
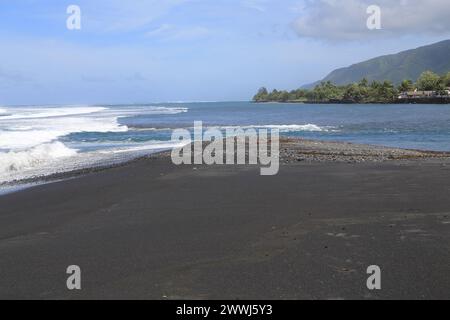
(141, 51)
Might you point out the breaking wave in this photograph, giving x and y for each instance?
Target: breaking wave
(14, 161)
(29, 135)
(287, 128)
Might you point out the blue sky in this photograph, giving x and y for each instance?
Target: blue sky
(195, 50)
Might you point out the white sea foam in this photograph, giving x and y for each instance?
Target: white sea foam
(150, 129)
(287, 128)
(281, 128)
(146, 110)
(48, 112)
(57, 158)
(29, 136)
(31, 126)
(30, 145)
(27, 130)
(296, 127)
(14, 161)
(150, 145)
(164, 110)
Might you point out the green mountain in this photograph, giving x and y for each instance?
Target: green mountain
(396, 67)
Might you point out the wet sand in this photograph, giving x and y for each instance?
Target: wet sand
(151, 230)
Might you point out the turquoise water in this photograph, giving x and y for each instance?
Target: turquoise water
(40, 140)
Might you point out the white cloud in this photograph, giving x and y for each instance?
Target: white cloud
(172, 32)
(258, 5)
(346, 19)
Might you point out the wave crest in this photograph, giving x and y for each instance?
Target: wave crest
(296, 127)
(286, 128)
(14, 161)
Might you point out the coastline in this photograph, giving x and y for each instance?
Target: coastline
(71, 174)
(151, 230)
(396, 101)
(291, 150)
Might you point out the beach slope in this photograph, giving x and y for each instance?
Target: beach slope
(151, 230)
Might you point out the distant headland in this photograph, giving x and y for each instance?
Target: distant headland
(429, 88)
(382, 79)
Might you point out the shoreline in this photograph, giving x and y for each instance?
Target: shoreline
(72, 174)
(419, 101)
(291, 150)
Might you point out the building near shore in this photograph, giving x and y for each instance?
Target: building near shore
(423, 94)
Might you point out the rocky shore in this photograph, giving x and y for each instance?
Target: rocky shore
(299, 150)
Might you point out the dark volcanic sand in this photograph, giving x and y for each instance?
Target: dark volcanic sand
(153, 230)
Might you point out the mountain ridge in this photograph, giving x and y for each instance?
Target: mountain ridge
(396, 67)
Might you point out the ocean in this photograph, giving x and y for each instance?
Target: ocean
(42, 140)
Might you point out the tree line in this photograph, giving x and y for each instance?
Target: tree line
(361, 92)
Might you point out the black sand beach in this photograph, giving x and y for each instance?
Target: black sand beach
(151, 230)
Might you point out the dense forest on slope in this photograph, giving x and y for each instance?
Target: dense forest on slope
(395, 67)
(362, 91)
